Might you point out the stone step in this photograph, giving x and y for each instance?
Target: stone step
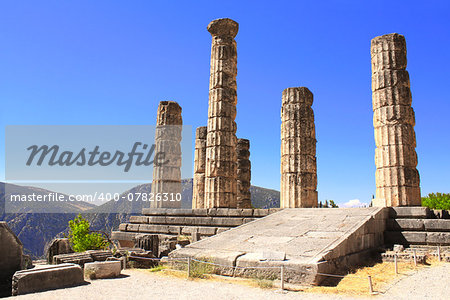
(435, 225)
(407, 238)
(191, 220)
(409, 212)
(211, 212)
(167, 229)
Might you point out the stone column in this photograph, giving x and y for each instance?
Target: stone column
(220, 172)
(243, 174)
(167, 176)
(397, 179)
(198, 189)
(298, 150)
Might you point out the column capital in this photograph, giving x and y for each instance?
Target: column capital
(223, 27)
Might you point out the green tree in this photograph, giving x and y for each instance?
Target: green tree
(333, 204)
(437, 201)
(82, 238)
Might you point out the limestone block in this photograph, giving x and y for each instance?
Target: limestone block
(298, 145)
(122, 260)
(393, 114)
(219, 185)
(397, 176)
(227, 95)
(103, 269)
(46, 278)
(298, 128)
(11, 257)
(396, 156)
(291, 163)
(437, 225)
(438, 238)
(395, 135)
(398, 95)
(388, 52)
(399, 195)
(390, 78)
(56, 247)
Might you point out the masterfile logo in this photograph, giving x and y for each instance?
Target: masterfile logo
(94, 152)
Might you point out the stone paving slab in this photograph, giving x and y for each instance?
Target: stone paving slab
(308, 236)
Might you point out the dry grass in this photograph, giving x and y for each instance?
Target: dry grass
(383, 275)
(354, 284)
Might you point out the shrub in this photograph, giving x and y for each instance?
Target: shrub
(82, 238)
(437, 201)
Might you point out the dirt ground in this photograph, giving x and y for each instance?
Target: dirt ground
(425, 283)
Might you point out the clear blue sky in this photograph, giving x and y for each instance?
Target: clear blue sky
(111, 62)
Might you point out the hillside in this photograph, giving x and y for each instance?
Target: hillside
(35, 230)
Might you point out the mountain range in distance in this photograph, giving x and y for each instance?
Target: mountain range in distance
(36, 230)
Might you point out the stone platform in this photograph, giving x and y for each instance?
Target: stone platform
(306, 241)
(200, 222)
(410, 226)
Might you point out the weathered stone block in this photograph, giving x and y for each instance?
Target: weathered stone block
(438, 238)
(437, 225)
(103, 269)
(47, 278)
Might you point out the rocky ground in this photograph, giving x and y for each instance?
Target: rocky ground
(427, 283)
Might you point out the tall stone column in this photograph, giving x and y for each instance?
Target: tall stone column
(298, 149)
(167, 176)
(220, 173)
(397, 179)
(243, 174)
(198, 189)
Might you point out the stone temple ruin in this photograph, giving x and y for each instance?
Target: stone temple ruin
(308, 241)
(167, 177)
(397, 178)
(298, 241)
(298, 150)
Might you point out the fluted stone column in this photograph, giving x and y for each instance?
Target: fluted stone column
(198, 189)
(298, 149)
(167, 176)
(397, 179)
(243, 174)
(220, 173)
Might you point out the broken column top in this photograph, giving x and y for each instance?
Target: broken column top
(388, 52)
(243, 143)
(223, 27)
(394, 41)
(295, 95)
(169, 113)
(201, 132)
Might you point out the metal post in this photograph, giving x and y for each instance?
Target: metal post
(439, 252)
(415, 257)
(370, 284)
(189, 267)
(282, 278)
(395, 262)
